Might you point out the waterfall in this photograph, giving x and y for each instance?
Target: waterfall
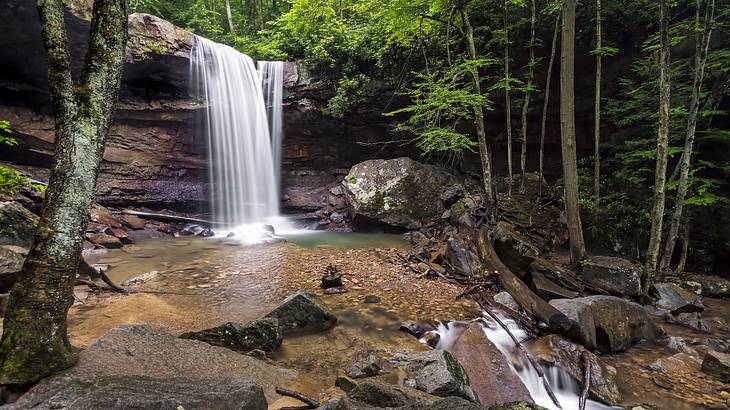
(272, 79)
(242, 155)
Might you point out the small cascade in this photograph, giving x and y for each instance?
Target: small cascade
(566, 389)
(272, 80)
(244, 158)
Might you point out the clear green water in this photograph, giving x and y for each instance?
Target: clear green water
(345, 240)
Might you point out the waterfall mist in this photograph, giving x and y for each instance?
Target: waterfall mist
(244, 159)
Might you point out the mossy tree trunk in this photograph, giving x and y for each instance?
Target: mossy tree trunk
(508, 100)
(567, 131)
(528, 91)
(546, 101)
(597, 110)
(660, 177)
(34, 342)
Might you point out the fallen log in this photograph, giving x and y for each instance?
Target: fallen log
(586, 381)
(167, 218)
(311, 403)
(533, 305)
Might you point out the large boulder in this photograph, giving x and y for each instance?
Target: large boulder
(718, 365)
(676, 300)
(400, 192)
(11, 263)
(555, 350)
(606, 323)
(710, 286)
(489, 372)
(134, 392)
(460, 259)
(303, 311)
(616, 276)
(159, 360)
(514, 249)
(17, 225)
(436, 372)
(263, 334)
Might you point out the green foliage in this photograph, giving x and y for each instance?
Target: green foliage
(11, 182)
(6, 134)
(439, 101)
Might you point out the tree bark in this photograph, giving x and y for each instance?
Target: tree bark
(685, 246)
(660, 177)
(597, 114)
(526, 103)
(229, 17)
(567, 128)
(484, 152)
(34, 342)
(702, 45)
(546, 102)
(507, 102)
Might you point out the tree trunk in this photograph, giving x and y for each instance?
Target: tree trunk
(546, 103)
(34, 342)
(685, 247)
(597, 125)
(507, 101)
(652, 253)
(702, 45)
(229, 17)
(526, 103)
(484, 152)
(567, 128)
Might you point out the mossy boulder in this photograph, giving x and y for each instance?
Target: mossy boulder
(616, 276)
(17, 225)
(436, 372)
(514, 249)
(400, 192)
(263, 334)
(151, 36)
(303, 311)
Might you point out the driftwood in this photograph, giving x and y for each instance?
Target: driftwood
(167, 218)
(586, 380)
(529, 357)
(311, 403)
(534, 305)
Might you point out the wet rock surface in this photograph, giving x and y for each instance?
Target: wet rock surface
(303, 311)
(676, 300)
(717, 365)
(263, 334)
(436, 372)
(367, 364)
(615, 275)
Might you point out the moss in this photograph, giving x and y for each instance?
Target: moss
(458, 209)
(352, 180)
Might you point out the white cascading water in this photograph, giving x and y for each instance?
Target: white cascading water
(241, 152)
(272, 79)
(566, 389)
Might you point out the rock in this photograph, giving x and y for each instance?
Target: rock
(107, 241)
(460, 259)
(371, 299)
(615, 275)
(556, 274)
(693, 320)
(122, 235)
(151, 37)
(583, 329)
(337, 217)
(381, 395)
(400, 192)
(103, 216)
(710, 286)
(335, 291)
(145, 277)
(673, 298)
(11, 264)
(431, 338)
(506, 300)
(453, 403)
(191, 229)
(717, 365)
(555, 350)
(513, 248)
(17, 225)
(346, 384)
(416, 329)
(366, 365)
(135, 392)
(303, 311)
(436, 372)
(263, 334)
(548, 289)
(679, 345)
(617, 324)
(490, 376)
(331, 280)
(140, 352)
(133, 222)
(520, 405)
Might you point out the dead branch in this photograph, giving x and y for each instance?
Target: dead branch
(586, 380)
(311, 403)
(167, 218)
(111, 283)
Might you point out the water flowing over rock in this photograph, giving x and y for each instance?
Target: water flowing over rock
(614, 275)
(400, 192)
(303, 311)
(241, 156)
(263, 334)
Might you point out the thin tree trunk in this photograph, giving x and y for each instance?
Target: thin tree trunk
(652, 253)
(546, 103)
(702, 45)
(685, 247)
(484, 152)
(597, 126)
(567, 127)
(526, 103)
(229, 17)
(507, 101)
(34, 342)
